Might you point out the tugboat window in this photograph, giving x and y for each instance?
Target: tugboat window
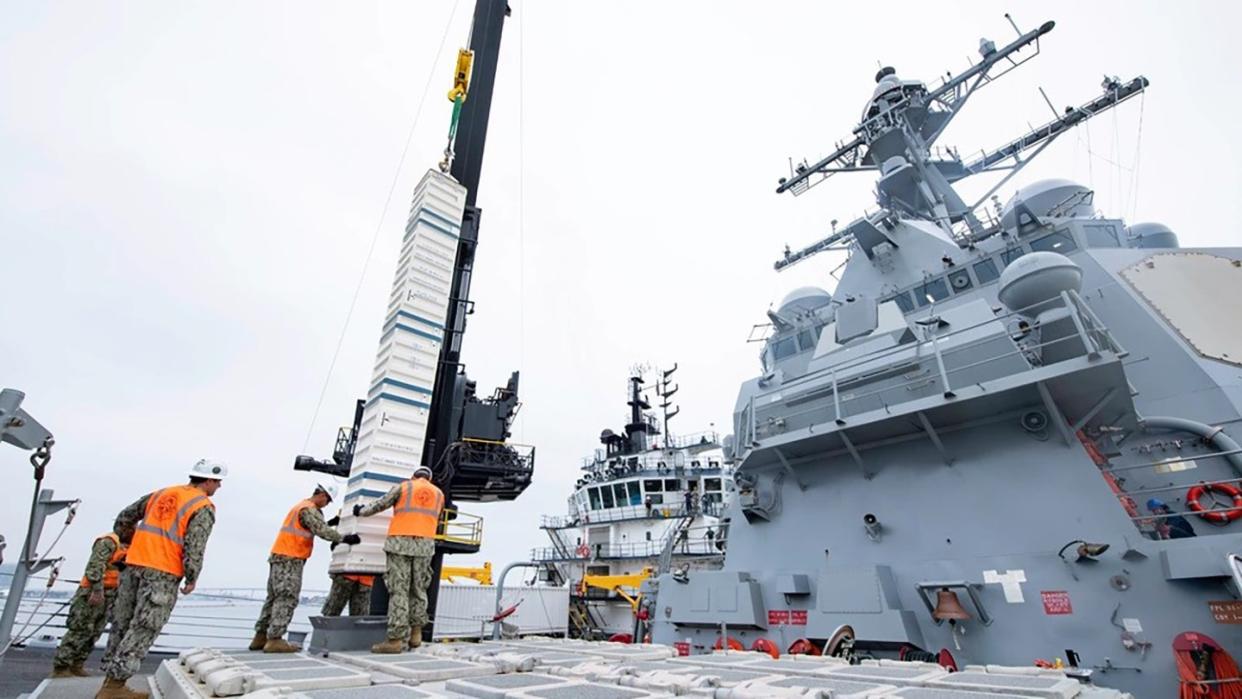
(636, 496)
(594, 498)
(618, 489)
(1061, 242)
(671, 485)
(606, 495)
(806, 341)
(653, 486)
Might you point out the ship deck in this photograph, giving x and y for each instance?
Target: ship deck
(544, 668)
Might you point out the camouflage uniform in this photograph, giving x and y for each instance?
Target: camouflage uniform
(86, 621)
(284, 579)
(145, 597)
(343, 591)
(407, 574)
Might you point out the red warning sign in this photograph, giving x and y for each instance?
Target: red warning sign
(683, 648)
(797, 617)
(778, 617)
(1056, 602)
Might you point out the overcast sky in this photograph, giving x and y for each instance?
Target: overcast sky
(188, 193)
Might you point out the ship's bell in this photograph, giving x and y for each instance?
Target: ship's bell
(949, 607)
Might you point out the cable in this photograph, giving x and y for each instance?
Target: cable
(522, 205)
(418, 113)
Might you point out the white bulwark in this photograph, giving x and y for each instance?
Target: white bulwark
(394, 422)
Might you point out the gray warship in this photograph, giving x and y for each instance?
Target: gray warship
(1007, 436)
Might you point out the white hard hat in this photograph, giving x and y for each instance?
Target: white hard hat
(329, 489)
(421, 471)
(209, 468)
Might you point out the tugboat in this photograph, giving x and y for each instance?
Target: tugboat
(649, 501)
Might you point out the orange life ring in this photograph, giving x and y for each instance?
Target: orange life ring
(803, 646)
(733, 643)
(763, 645)
(583, 550)
(1218, 516)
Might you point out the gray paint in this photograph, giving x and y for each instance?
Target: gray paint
(954, 423)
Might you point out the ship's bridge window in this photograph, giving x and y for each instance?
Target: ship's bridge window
(636, 495)
(986, 271)
(806, 340)
(1102, 235)
(1010, 254)
(904, 302)
(784, 347)
(711, 484)
(618, 489)
(605, 494)
(1061, 241)
(671, 485)
(653, 486)
(595, 504)
(931, 291)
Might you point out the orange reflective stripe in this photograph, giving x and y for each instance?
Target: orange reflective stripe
(158, 538)
(365, 580)
(417, 511)
(293, 539)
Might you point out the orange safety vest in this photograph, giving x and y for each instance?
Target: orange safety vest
(112, 574)
(293, 539)
(417, 510)
(364, 580)
(158, 539)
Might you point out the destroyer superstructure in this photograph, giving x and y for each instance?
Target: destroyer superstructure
(998, 438)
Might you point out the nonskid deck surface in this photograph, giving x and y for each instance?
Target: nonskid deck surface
(537, 668)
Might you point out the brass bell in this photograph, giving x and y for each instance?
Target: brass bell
(949, 607)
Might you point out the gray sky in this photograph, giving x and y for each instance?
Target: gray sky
(188, 192)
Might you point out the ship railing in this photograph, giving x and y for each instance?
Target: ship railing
(39, 616)
(685, 441)
(460, 528)
(630, 513)
(697, 543)
(1154, 525)
(1089, 332)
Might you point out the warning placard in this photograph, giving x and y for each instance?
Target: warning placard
(778, 617)
(1056, 602)
(1227, 611)
(797, 617)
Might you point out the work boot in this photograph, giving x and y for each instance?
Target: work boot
(116, 689)
(78, 671)
(59, 671)
(416, 636)
(259, 640)
(279, 645)
(390, 647)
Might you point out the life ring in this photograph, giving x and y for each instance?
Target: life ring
(583, 550)
(1218, 516)
(733, 643)
(763, 645)
(803, 646)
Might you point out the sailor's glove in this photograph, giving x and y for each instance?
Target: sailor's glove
(351, 539)
(334, 521)
(357, 509)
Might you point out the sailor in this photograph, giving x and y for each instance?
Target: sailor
(417, 505)
(88, 612)
(171, 527)
(1170, 526)
(347, 588)
(293, 546)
